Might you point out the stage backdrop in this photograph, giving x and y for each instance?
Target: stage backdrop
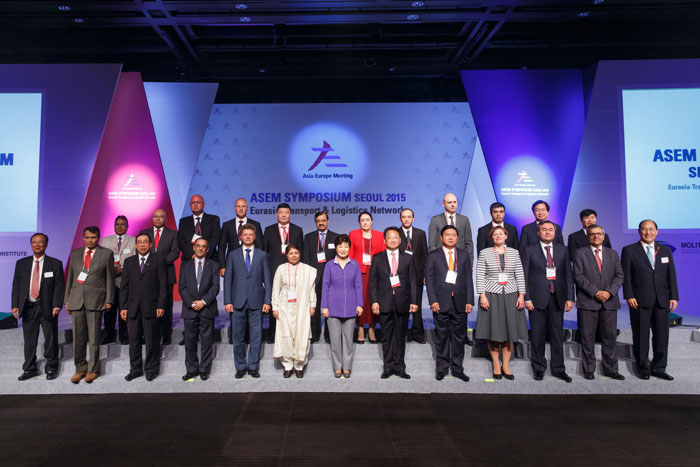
(341, 158)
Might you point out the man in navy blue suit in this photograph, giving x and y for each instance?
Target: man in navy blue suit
(247, 294)
(549, 292)
(199, 285)
(448, 281)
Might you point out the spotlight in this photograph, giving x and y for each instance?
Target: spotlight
(392, 69)
(370, 62)
(583, 14)
(417, 4)
(245, 19)
(64, 7)
(78, 20)
(262, 70)
(412, 17)
(598, 2)
(241, 6)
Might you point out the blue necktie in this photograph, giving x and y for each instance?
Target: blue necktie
(650, 255)
(199, 273)
(247, 259)
(143, 263)
(323, 239)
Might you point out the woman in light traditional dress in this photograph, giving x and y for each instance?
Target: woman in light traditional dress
(293, 305)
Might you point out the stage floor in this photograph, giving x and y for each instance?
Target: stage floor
(348, 429)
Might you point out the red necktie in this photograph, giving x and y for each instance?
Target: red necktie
(156, 240)
(198, 227)
(597, 259)
(550, 264)
(88, 259)
(284, 235)
(35, 281)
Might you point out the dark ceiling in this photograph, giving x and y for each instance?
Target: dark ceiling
(373, 50)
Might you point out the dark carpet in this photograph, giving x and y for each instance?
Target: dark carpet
(348, 429)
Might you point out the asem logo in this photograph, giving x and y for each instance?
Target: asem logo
(7, 158)
(524, 177)
(324, 155)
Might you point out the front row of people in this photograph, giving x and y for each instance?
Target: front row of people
(540, 278)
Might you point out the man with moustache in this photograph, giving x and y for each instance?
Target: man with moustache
(414, 243)
(498, 214)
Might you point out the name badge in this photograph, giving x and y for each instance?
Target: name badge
(116, 258)
(394, 281)
(366, 259)
(127, 250)
(451, 277)
(284, 249)
(81, 277)
(195, 237)
(408, 252)
(502, 278)
(664, 259)
(551, 273)
(48, 274)
(292, 296)
(321, 257)
(331, 246)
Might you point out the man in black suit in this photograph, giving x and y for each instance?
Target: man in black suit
(651, 291)
(580, 239)
(164, 243)
(598, 277)
(448, 281)
(275, 240)
(529, 234)
(199, 224)
(231, 233)
(392, 293)
(199, 285)
(549, 292)
(142, 297)
(37, 297)
(498, 214)
(415, 243)
(318, 250)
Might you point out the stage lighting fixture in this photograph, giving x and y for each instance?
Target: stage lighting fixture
(262, 70)
(370, 62)
(583, 14)
(64, 7)
(412, 17)
(78, 20)
(417, 4)
(241, 6)
(598, 2)
(245, 19)
(392, 68)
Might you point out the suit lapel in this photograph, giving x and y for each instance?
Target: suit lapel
(642, 251)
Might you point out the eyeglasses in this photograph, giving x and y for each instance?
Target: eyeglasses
(596, 234)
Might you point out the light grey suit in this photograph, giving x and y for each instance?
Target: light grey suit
(127, 249)
(464, 229)
(121, 253)
(87, 301)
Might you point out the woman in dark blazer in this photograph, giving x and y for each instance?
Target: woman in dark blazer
(365, 243)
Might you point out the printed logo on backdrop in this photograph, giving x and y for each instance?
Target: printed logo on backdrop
(132, 189)
(338, 164)
(524, 185)
(523, 180)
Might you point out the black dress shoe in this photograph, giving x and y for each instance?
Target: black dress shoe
(662, 375)
(270, 340)
(169, 341)
(509, 377)
(497, 375)
(616, 376)
(468, 341)
(461, 376)
(587, 375)
(124, 341)
(150, 377)
(327, 339)
(132, 375)
(315, 339)
(562, 376)
(204, 376)
(254, 373)
(27, 375)
(299, 373)
(287, 373)
(51, 374)
(387, 374)
(643, 375)
(539, 376)
(189, 376)
(440, 376)
(108, 339)
(402, 374)
(240, 374)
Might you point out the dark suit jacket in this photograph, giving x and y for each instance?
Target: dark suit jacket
(229, 238)
(208, 288)
(51, 289)
(241, 286)
(309, 252)
(464, 229)
(211, 230)
(98, 289)
(440, 291)
(579, 239)
(649, 286)
(528, 235)
(147, 291)
(419, 246)
(167, 248)
(272, 244)
(484, 241)
(380, 289)
(535, 269)
(589, 279)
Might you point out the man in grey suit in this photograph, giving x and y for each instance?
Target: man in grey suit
(89, 291)
(598, 277)
(123, 246)
(464, 232)
(247, 294)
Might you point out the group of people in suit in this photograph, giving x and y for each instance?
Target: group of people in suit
(357, 280)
